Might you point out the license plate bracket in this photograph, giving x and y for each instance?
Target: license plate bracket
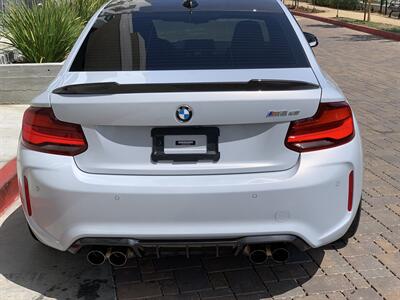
(211, 153)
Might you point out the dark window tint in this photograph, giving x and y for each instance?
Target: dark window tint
(198, 40)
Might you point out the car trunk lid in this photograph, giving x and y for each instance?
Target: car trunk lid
(252, 122)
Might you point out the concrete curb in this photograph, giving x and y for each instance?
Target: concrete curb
(387, 35)
(8, 185)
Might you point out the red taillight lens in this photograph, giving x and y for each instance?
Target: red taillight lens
(331, 126)
(41, 131)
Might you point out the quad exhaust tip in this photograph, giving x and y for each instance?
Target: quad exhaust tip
(116, 257)
(259, 254)
(258, 257)
(280, 254)
(96, 257)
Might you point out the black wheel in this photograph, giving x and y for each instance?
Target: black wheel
(354, 226)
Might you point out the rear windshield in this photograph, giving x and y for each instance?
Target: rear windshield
(184, 40)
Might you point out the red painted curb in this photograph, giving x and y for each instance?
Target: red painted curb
(387, 35)
(8, 185)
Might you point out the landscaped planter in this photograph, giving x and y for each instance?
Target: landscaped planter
(20, 83)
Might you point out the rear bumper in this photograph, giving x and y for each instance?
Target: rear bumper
(308, 201)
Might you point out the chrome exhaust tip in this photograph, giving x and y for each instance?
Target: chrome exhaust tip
(258, 257)
(258, 254)
(96, 257)
(280, 254)
(118, 258)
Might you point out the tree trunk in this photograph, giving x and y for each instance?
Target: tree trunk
(337, 8)
(365, 9)
(369, 10)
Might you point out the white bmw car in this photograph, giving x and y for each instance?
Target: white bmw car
(191, 123)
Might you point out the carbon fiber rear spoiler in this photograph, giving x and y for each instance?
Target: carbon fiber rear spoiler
(105, 88)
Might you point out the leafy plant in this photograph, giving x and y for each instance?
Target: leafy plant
(42, 33)
(46, 31)
(343, 4)
(85, 9)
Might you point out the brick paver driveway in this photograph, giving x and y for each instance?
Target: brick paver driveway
(368, 70)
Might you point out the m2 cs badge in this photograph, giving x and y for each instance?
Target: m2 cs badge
(283, 113)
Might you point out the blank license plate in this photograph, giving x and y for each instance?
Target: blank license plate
(185, 144)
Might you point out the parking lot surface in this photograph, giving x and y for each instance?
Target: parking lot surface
(368, 70)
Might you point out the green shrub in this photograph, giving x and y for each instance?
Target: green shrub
(343, 4)
(42, 33)
(85, 9)
(46, 32)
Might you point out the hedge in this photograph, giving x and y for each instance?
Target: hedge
(343, 4)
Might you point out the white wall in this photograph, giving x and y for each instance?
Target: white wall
(20, 83)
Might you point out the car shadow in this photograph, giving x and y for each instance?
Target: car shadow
(227, 275)
(321, 25)
(31, 269)
(359, 38)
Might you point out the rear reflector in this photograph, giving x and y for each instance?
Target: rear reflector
(42, 131)
(331, 126)
(27, 197)
(351, 191)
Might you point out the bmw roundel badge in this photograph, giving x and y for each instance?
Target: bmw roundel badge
(184, 113)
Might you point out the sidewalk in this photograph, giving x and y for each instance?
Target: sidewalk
(357, 15)
(10, 126)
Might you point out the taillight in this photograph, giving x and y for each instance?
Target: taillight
(331, 126)
(41, 131)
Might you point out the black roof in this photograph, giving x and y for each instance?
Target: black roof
(127, 6)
